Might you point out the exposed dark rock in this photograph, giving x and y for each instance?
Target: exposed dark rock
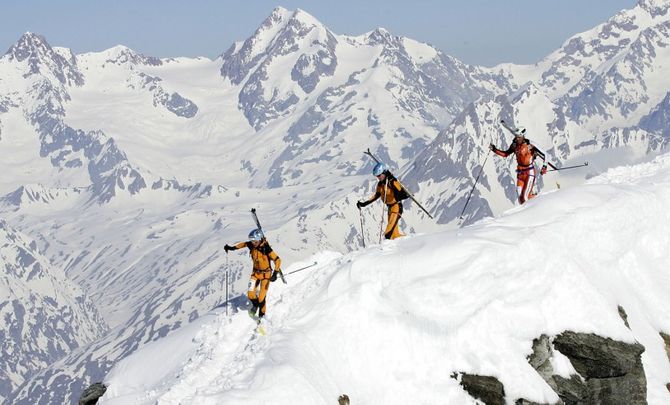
(485, 388)
(613, 370)
(522, 401)
(572, 390)
(343, 399)
(623, 315)
(91, 394)
(597, 357)
(666, 339)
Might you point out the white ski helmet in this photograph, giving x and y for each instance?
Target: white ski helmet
(521, 131)
(379, 169)
(256, 235)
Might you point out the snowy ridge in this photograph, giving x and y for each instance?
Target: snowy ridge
(418, 309)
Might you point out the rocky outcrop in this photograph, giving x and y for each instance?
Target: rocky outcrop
(610, 371)
(484, 388)
(666, 339)
(623, 315)
(91, 394)
(572, 390)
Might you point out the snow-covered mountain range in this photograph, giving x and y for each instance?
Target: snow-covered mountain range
(130, 172)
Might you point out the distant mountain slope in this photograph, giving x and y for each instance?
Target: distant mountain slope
(44, 316)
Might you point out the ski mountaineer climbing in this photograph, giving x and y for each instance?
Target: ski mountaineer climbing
(262, 274)
(525, 159)
(392, 193)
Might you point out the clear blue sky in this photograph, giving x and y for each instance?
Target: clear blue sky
(476, 31)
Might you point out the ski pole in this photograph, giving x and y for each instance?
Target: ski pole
(481, 169)
(381, 223)
(360, 213)
(227, 283)
(411, 196)
(569, 167)
(302, 268)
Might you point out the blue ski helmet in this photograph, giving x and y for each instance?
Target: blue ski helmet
(256, 235)
(379, 169)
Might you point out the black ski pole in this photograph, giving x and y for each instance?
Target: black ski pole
(569, 167)
(302, 268)
(227, 283)
(401, 185)
(360, 213)
(258, 224)
(381, 222)
(481, 169)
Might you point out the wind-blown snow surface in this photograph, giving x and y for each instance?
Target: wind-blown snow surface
(391, 323)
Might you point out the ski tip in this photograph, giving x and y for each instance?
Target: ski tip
(586, 163)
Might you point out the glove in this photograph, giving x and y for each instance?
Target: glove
(273, 277)
(492, 147)
(360, 205)
(227, 248)
(544, 170)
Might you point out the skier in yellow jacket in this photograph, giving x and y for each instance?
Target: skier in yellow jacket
(262, 274)
(391, 192)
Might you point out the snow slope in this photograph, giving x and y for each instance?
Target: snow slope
(391, 323)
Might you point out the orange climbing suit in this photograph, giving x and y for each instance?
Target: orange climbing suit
(259, 282)
(385, 190)
(525, 154)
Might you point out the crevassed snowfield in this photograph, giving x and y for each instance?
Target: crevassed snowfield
(391, 323)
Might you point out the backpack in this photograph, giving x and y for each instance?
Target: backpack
(398, 195)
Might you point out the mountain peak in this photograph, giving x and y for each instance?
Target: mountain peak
(305, 17)
(279, 34)
(41, 58)
(29, 44)
(379, 36)
(121, 54)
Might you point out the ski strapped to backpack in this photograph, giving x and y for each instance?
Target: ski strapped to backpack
(514, 132)
(260, 228)
(553, 167)
(404, 189)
